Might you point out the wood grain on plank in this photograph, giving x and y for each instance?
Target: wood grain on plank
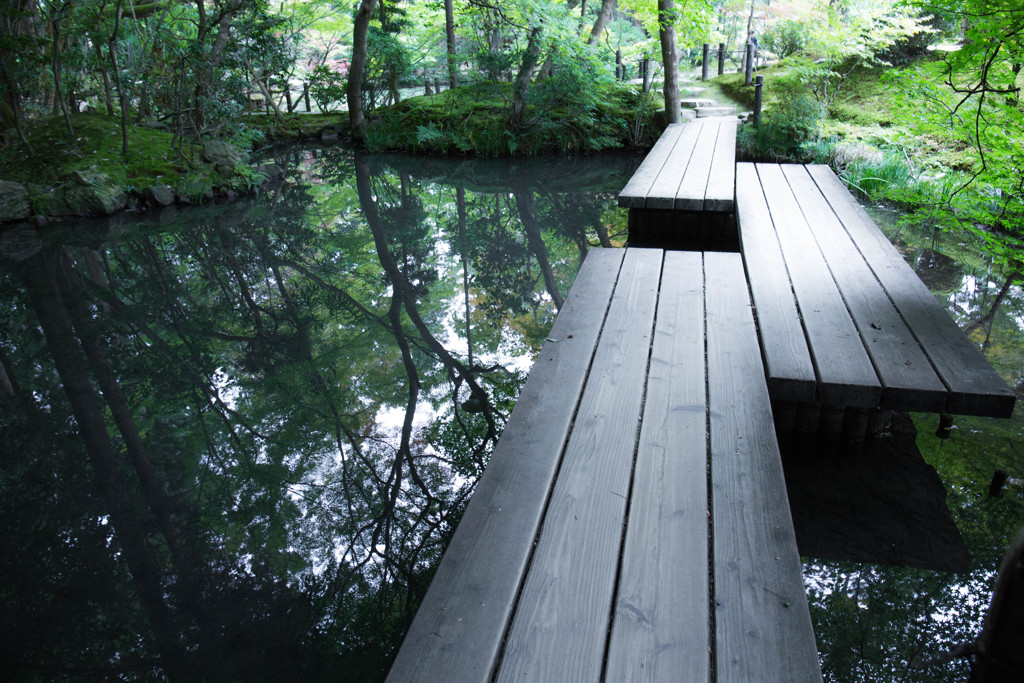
(660, 630)
(721, 190)
(694, 184)
(787, 359)
(662, 194)
(560, 626)
(974, 387)
(908, 380)
(845, 374)
(458, 629)
(634, 194)
(763, 625)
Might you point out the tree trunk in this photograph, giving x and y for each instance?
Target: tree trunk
(122, 99)
(603, 16)
(669, 57)
(10, 100)
(57, 68)
(357, 67)
(449, 30)
(521, 85)
(108, 96)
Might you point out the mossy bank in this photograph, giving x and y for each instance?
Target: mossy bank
(88, 174)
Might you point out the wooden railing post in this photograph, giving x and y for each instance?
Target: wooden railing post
(704, 62)
(758, 88)
(748, 64)
(721, 58)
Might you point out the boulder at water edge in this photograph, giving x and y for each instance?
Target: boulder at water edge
(14, 204)
(223, 156)
(88, 193)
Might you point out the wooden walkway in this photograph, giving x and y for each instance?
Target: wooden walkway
(637, 484)
(633, 524)
(844, 320)
(685, 187)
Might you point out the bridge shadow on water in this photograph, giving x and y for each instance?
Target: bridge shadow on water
(874, 501)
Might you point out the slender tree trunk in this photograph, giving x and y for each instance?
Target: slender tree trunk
(11, 93)
(603, 16)
(108, 96)
(449, 30)
(58, 68)
(357, 67)
(669, 58)
(122, 99)
(521, 85)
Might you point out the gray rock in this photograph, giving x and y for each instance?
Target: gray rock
(87, 193)
(160, 195)
(224, 156)
(329, 136)
(14, 204)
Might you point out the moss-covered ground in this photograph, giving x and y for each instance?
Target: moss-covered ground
(865, 115)
(153, 158)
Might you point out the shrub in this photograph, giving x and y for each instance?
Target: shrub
(785, 38)
(326, 87)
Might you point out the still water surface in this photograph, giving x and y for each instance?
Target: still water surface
(236, 438)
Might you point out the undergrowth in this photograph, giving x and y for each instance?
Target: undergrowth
(473, 120)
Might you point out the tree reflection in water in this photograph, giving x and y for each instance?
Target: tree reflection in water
(234, 449)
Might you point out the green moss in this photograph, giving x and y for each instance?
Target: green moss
(96, 144)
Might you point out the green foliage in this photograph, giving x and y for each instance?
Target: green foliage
(327, 87)
(791, 118)
(786, 37)
(560, 118)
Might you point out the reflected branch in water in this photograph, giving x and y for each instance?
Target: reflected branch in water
(528, 216)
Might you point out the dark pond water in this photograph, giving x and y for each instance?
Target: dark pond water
(236, 438)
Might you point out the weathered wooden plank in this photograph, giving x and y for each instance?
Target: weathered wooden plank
(663, 191)
(763, 628)
(845, 374)
(908, 380)
(787, 359)
(560, 627)
(721, 190)
(974, 387)
(694, 184)
(661, 627)
(634, 194)
(458, 629)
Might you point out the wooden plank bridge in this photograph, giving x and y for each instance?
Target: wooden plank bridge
(633, 524)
